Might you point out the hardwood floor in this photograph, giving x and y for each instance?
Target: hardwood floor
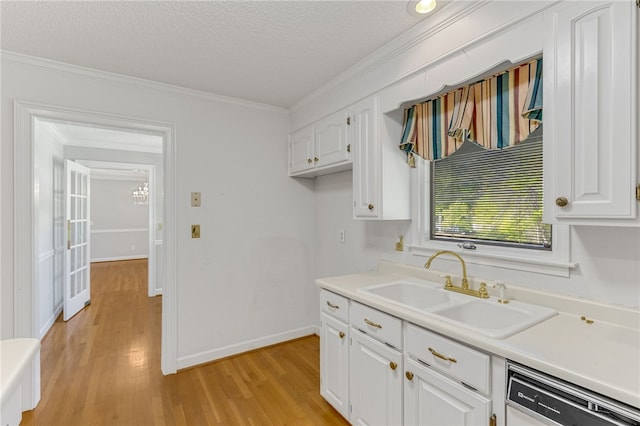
(102, 367)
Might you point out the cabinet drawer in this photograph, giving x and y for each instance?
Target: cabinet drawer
(454, 359)
(335, 305)
(379, 325)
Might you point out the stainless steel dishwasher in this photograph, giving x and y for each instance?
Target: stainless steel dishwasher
(534, 398)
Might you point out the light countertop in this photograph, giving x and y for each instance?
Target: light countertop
(603, 356)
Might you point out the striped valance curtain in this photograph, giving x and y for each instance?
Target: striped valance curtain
(496, 113)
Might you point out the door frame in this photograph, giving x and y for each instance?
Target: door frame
(151, 226)
(26, 198)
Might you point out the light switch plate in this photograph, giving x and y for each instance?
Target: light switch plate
(195, 231)
(196, 199)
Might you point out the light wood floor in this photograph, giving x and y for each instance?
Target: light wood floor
(103, 368)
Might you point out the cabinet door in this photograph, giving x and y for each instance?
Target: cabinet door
(364, 139)
(431, 399)
(590, 94)
(301, 150)
(332, 140)
(334, 363)
(376, 382)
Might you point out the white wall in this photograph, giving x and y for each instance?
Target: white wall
(249, 279)
(608, 258)
(51, 230)
(119, 227)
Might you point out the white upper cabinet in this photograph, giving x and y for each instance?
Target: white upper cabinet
(332, 140)
(301, 151)
(381, 176)
(320, 148)
(590, 95)
(363, 134)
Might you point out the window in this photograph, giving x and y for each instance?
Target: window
(490, 196)
(478, 183)
(553, 261)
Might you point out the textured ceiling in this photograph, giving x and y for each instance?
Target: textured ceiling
(272, 52)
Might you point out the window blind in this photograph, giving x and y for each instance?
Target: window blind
(490, 196)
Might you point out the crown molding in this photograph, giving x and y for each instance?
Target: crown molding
(74, 71)
(449, 15)
(446, 16)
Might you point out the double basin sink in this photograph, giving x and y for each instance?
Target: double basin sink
(488, 317)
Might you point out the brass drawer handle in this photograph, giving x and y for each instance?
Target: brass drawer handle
(341, 334)
(409, 375)
(439, 355)
(332, 306)
(393, 365)
(372, 324)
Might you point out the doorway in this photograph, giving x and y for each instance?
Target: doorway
(27, 205)
(145, 174)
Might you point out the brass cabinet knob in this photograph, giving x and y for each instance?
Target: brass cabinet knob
(409, 375)
(393, 365)
(316, 159)
(370, 206)
(561, 201)
(341, 334)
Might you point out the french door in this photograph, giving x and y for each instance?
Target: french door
(77, 280)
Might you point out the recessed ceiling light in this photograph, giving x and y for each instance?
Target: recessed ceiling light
(425, 6)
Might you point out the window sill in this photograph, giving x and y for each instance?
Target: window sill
(542, 263)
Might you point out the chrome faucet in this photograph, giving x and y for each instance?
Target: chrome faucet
(464, 285)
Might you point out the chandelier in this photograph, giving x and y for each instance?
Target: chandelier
(140, 195)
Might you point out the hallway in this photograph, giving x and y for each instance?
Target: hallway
(103, 368)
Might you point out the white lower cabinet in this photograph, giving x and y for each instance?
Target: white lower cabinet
(334, 350)
(376, 382)
(392, 372)
(431, 399)
(334, 363)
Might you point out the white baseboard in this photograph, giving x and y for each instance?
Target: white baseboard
(208, 356)
(52, 319)
(113, 259)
